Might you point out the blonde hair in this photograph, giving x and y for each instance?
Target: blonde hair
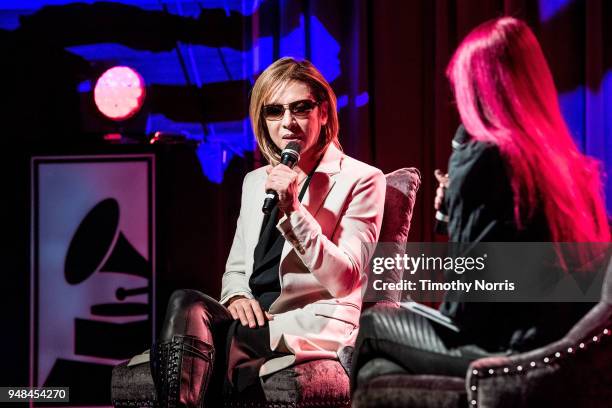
(277, 75)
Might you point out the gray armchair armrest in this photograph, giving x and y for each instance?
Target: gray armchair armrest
(574, 371)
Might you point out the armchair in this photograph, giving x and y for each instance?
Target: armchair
(319, 383)
(573, 371)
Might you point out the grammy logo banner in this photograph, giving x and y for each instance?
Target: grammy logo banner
(93, 270)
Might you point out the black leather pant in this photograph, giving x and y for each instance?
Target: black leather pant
(196, 317)
(193, 313)
(199, 324)
(396, 340)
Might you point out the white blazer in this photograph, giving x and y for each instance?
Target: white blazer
(322, 262)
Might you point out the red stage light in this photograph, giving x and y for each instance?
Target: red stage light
(119, 93)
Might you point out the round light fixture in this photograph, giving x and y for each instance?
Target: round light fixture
(119, 93)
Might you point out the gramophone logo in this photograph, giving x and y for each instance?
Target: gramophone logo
(92, 270)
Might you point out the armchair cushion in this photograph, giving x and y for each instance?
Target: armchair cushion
(398, 390)
(312, 384)
(132, 386)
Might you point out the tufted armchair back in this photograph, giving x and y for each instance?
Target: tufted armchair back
(402, 187)
(606, 290)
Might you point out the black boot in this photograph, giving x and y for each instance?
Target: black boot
(181, 369)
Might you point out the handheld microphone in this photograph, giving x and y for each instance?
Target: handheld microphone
(441, 219)
(289, 157)
(441, 222)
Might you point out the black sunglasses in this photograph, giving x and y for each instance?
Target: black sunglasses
(299, 109)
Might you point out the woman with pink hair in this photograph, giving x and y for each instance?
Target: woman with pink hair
(508, 103)
(515, 175)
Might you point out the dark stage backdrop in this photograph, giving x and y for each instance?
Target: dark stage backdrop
(199, 60)
(384, 58)
(413, 115)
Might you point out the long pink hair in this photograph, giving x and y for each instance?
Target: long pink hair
(506, 96)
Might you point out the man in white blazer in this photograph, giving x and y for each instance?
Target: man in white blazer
(329, 205)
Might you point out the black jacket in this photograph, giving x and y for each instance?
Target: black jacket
(479, 201)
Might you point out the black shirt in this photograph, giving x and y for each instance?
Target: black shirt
(264, 282)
